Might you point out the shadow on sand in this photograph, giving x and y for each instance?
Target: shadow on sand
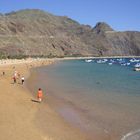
(36, 101)
(16, 83)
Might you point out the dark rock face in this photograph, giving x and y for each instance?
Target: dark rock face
(37, 33)
(102, 27)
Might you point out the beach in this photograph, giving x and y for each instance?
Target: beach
(87, 96)
(23, 119)
(58, 116)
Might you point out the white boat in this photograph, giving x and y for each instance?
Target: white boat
(99, 61)
(137, 65)
(102, 61)
(127, 64)
(137, 69)
(110, 63)
(88, 60)
(134, 60)
(123, 64)
(120, 59)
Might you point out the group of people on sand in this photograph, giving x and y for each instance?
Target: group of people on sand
(17, 76)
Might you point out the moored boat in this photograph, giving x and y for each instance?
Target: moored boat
(137, 65)
(137, 69)
(88, 60)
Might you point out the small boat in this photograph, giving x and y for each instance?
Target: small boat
(128, 64)
(110, 63)
(134, 60)
(137, 65)
(88, 60)
(137, 69)
(119, 59)
(123, 64)
(102, 61)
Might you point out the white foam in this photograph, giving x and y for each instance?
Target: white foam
(134, 135)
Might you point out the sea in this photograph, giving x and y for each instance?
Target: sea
(101, 97)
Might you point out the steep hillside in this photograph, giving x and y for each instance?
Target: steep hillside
(38, 33)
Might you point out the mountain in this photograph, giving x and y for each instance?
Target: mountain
(38, 33)
(102, 27)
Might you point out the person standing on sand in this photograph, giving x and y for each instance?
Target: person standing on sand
(3, 73)
(14, 78)
(22, 80)
(39, 94)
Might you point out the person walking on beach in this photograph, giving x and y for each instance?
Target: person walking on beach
(39, 94)
(22, 80)
(14, 78)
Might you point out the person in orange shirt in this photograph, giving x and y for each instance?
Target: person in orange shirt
(39, 94)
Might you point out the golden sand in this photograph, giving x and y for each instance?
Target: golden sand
(22, 119)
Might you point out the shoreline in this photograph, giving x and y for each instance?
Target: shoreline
(17, 110)
(30, 60)
(74, 58)
(23, 119)
(72, 110)
(41, 119)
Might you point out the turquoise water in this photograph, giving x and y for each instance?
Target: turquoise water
(98, 98)
(79, 74)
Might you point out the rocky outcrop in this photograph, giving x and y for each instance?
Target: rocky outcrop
(38, 33)
(102, 27)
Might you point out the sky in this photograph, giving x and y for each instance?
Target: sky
(121, 15)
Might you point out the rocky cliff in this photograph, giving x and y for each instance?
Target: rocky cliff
(38, 33)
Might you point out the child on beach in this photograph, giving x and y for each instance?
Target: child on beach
(39, 94)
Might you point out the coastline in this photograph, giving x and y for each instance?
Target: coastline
(23, 119)
(17, 111)
(74, 113)
(92, 57)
